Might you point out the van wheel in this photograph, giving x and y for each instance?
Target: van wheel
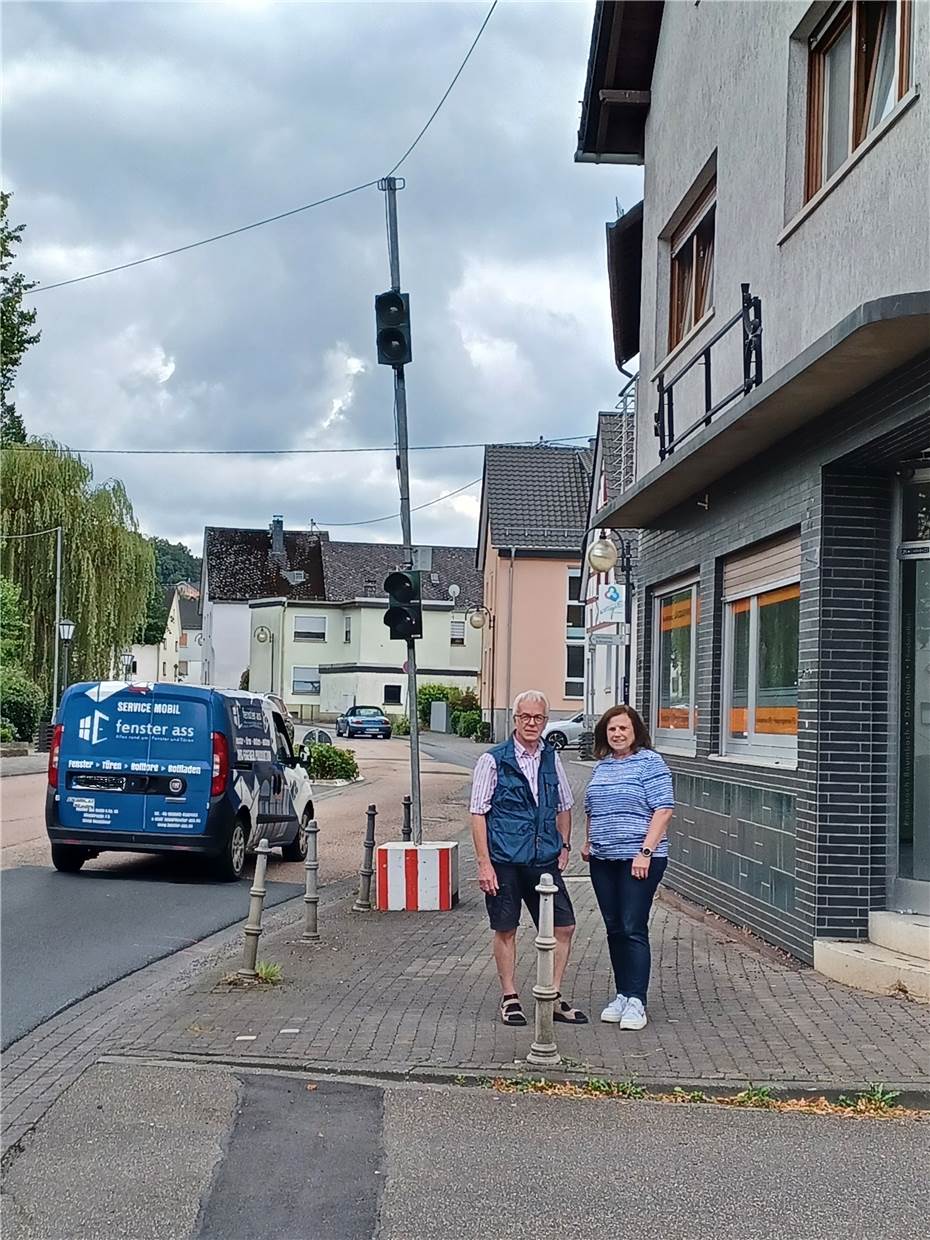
(297, 849)
(230, 863)
(67, 858)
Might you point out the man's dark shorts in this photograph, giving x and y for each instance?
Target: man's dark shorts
(516, 884)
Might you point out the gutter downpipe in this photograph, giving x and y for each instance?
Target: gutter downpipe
(513, 557)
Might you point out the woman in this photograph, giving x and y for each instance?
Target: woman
(628, 806)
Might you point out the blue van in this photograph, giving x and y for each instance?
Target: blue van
(173, 768)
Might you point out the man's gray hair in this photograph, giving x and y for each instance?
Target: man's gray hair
(530, 695)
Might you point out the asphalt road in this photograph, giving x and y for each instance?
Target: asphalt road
(142, 1151)
(66, 936)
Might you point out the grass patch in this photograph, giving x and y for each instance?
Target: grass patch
(270, 974)
(875, 1102)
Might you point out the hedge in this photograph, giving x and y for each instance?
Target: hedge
(327, 762)
(22, 701)
(468, 723)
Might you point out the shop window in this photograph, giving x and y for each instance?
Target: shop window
(760, 652)
(675, 636)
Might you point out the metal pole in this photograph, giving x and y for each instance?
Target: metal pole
(544, 1050)
(57, 619)
(627, 617)
(389, 186)
(406, 831)
(253, 927)
(67, 646)
(363, 899)
(311, 892)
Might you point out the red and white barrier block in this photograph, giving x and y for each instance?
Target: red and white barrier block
(412, 877)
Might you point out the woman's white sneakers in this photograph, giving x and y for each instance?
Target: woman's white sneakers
(613, 1012)
(634, 1015)
(627, 1013)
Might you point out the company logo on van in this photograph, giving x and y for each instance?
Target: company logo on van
(89, 727)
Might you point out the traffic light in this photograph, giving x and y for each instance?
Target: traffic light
(404, 616)
(392, 324)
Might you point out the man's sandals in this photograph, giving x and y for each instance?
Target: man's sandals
(512, 1013)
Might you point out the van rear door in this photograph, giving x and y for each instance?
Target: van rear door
(134, 758)
(181, 748)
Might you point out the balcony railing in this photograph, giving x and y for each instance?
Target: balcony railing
(750, 317)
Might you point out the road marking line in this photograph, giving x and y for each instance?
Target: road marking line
(289, 1031)
(246, 1037)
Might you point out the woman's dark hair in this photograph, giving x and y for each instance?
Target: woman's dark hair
(641, 738)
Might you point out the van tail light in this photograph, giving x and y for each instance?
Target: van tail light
(53, 755)
(220, 764)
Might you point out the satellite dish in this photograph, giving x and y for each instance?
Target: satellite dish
(454, 592)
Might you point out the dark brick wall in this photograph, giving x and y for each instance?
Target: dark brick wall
(731, 851)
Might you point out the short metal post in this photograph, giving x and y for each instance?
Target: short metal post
(311, 891)
(407, 830)
(253, 927)
(363, 900)
(544, 1050)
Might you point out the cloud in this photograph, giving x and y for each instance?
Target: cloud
(174, 122)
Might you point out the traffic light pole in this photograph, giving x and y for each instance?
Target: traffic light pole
(389, 186)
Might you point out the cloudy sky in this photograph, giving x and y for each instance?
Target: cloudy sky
(134, 127)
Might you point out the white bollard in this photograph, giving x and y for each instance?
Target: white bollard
(253, 927)
(311, 893)
(544, 1050)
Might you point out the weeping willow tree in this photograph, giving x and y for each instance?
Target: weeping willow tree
(108, 568)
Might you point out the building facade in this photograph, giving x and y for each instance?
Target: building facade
(531, 528)
(324, 656)
(774, 284)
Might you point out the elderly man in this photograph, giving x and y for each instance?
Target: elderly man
(521, 825)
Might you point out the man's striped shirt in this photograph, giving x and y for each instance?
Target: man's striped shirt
(621, 798)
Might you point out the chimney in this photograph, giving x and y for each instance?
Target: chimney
(277, 555)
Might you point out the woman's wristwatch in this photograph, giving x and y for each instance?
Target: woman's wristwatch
(645, 852)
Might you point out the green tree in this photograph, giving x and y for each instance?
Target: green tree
(174, 562)
(16, 334)
(108, 567)
(12, 623)
(152, 630)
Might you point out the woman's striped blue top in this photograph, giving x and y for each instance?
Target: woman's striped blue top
(621, 798)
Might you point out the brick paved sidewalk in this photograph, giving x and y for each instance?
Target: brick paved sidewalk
(395, 992)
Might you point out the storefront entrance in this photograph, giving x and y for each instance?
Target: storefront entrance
(911, 886)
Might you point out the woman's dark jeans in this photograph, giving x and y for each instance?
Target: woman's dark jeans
(625, 902)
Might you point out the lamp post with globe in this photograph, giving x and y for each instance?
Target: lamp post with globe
(480, 618)
(602, 556)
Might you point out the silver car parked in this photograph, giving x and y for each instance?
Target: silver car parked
(562, 733)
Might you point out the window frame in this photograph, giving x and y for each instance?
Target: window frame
(457, 633)
(574, 682)
(295, 692)
(685, 237)
(848, 14)
(398, 701)
(765, 747)
(347, 629)
(679, 740)
(309, 637)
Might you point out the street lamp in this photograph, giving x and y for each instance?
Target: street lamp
(127, 664)
(66, 636)
(264, 635)
(602, 557)
(480, 618)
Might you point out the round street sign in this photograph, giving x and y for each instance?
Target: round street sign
(406, 667)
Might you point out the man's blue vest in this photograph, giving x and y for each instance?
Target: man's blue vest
(520, 831)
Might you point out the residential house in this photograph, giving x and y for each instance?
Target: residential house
(782, 479)
(158, 661)
(610, 617)
(240, 565)
(334, 651)
(531, 527)
(190, 642)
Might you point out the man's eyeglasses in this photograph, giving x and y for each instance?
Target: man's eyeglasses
(531, 718)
